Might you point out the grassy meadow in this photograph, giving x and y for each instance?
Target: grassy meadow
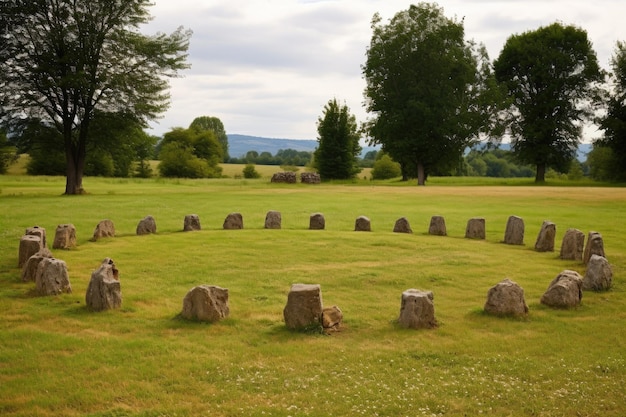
(59, 359)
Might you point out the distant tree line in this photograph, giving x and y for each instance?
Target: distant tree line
(290, 157)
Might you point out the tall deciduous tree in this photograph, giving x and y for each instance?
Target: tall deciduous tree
(550, 75)
(63, 60)
(428, 89)
(215, 125)
(338, 143)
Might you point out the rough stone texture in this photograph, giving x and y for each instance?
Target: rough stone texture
(475, 228)
(191, 223)
(595, 246)
(64, 237)
(417, 310)
(29, 271)
(506, 299)
(573, 245)
(599, 274)
(287, 177)
(402, 226)
(304, 306)
(233, 221)
(437, 226)
(104, 291)
(273, 220)
(317, 221)
(37, 231)
(52, 277)
(362, 224)
(310, 178)
(146, 226)
(514, 233)
(332, 317)
(565, 291)
(105, 228)
(206, 303)
(29, 245)
(545, 239)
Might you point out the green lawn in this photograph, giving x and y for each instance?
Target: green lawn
(57, 358)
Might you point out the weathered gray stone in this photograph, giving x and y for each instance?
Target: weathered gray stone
(273, 220)
(437, 226)
(595, 246)
(514, 233)
(286, 177)
(475, 228)
(332, 317)
(565, 291)
(64, 237)
(599, 274)
(29, 245)
(37, 231)
(417, 310)
(191, 223)
(304, 306)
(233, 221)
(362, 224)
(573, 245)
(104, 290)
(52, 277)
(310, 178)
(402, 226)
(545, 239)
(29, 270)
(146, 226)
(104, 229)
(206, 303)
(317, 221)
(506, 299)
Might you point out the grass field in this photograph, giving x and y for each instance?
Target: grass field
(59, 359)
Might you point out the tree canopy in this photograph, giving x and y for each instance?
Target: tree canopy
(216, 126)
(190, 153)
(61, 61)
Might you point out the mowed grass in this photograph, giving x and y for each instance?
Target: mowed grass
(58, 358)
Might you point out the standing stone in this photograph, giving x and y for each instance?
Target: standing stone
(595, 246)
(514, 233)
(304, 306)
(29, 271)
(105, 228)
(332, 317)
(437, 226)
(475, 228)
(37, 231)
(64, 237)
(417, 310)
(273, 220)
(206, 303)
(362, 224)
(29, 245)
(565, 291)
(506, 299)
(191, 223)
(52, 277)
(402, 226)
(104, 291)
(572, 245)
(317, 221)
(233, 221)
(146, 226)
(599, 275)
(545, 239)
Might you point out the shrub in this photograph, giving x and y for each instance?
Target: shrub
(385, 168)
(250, 172)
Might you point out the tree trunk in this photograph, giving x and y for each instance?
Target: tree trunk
(75, 167)
(421, 174)
(540, 175)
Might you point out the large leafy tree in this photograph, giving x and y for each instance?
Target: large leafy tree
(338, 143)
(61, 61)
(215, 125)
(550, 75)
(190, 153)
(428, 89)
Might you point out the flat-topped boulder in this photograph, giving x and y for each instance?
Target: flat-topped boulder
(437, 226)
(565, 291)
(104, 291)
(29, 245)
(475, 228)
(317, 221)
(64, 237)
(595, 246)
(546, 237)
(29, 270)
(52, 277)
(402, 226)
(105, 228)
(273, 220)
(191, 223)
(233, 221)
(37, 231)
(146, 226)
(572, 246)
(206, 303)
(599, 274)
(506, 299)
(417, 310)
(304, 306)
(362, 224)
(514, 233)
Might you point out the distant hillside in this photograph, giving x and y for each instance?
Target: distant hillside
(581, 154)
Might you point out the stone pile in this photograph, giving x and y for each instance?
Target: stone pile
(310, 178)
(285, 177)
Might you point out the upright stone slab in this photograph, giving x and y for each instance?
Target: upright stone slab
(64, 237)
(52, 277)
(317, 221)
(104, 291)
(417, 310)
(29, 245)
(362, 224)
(402, 226)
(29, 270)
(599, 274)
(506, 299)
(475, 228)
(104, 229)
(573, 245)
(191, 223)
(437, 226)
(206, 303)
(304, 306)
(545, 239)
(514, 233)
(565, 291)
(233, 221)
(37, 231)
(273, 220)
(595, 246)
(146, 226)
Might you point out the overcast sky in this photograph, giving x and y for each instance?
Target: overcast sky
(268, 67)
